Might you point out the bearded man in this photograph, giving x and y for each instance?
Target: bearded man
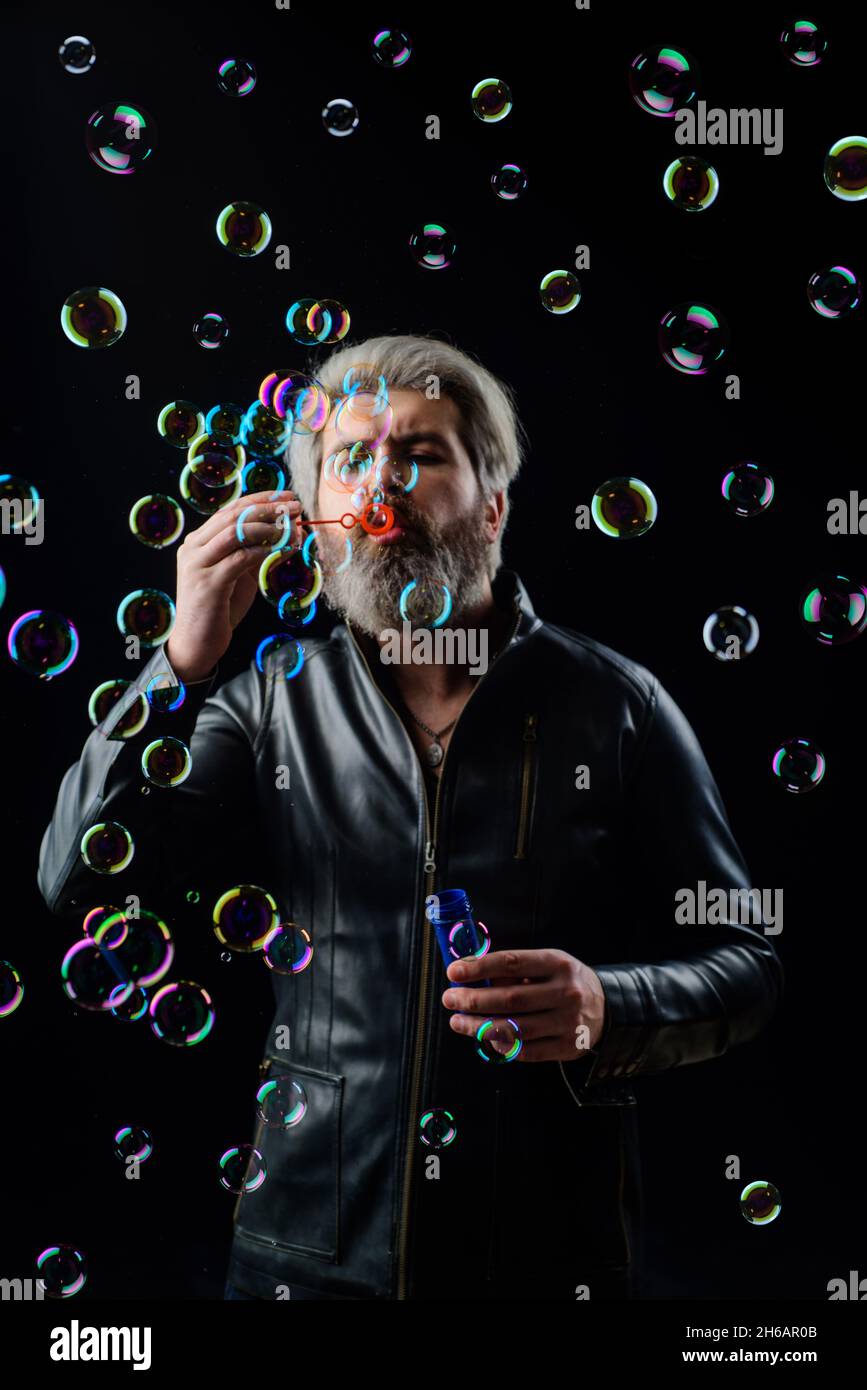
(425, 1165)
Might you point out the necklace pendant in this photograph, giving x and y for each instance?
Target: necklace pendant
(434, 754)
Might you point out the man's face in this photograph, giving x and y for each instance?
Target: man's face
(443, 525)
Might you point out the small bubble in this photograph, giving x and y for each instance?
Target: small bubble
(799, 764)
(760, 1203)
(77, 54)
(210, 330)
(120, 138)
(340, 117)
(93, 317)
(236, 77)
(804, 43)
(834, 292)
(560, 291)
(662, 80)
(491, 100)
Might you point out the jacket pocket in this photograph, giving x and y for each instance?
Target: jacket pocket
(297, 1207)
(527, 786)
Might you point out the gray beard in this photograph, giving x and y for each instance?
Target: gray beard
(367, 592)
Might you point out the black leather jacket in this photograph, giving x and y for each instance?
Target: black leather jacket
(540, 1191)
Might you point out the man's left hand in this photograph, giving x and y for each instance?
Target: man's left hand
(555, 1000)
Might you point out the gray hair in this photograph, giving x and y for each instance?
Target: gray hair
(489, 426)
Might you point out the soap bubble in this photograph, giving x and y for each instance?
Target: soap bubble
(433, 246)
(263, 433)
(623, 507)
(804, 43)
(834, 292)
(491, 100)
(262, 475)
(691, 183)
(748, 489)
(242, 1169)
(730, 633)
(202, 498)
(287, 949)
(760, 1203)
(106, 923)
(120, 137)
(391, 48)
(223, 423)
(23, 503)
(156, 520)
(424, 603)
(275, 643)
(77, 54)
(133, 1142)
(846, 168)
(692, 337)
(396, 475)
(11, 989)
(210, 330)
(244, 916)
(180, 422)
(166, 762)
(129, 1008)
(437, 1129)
(181, 1014)
(107, 847)
(340, 117)
(215, 464)
(509, 182)
(93, 317)
(148, 614)
(146, 951)
(499, 1040)
(662, 80)
(244, 228)
(560, 291)
(281, 1103)
(834, 609)
(62, 1271)
(236, 77)
(308, 322)
(43, 643)
(799, 764)
(290, 611)
(286, 571)
(93, 978)
(103, 701)
(165, 693)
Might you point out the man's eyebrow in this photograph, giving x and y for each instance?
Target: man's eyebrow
(419, 437)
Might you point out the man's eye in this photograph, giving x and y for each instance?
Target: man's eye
(422, 458)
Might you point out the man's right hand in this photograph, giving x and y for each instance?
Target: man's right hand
(218, 578)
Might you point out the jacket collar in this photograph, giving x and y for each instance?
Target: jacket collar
(511, 596)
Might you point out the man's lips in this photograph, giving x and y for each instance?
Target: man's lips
(394, 533)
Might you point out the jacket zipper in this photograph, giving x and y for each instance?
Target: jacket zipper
(430, 869)
(530, 721)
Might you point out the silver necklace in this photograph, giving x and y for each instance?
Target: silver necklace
(434, 751)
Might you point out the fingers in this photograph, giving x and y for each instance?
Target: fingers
(536, 964)
(219, 522)
(552, 1026)
(510, 999)
(262, 525)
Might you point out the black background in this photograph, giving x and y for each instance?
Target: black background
(597, 400)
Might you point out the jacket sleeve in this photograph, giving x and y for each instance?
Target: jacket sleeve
(696, 990)
(185, 836)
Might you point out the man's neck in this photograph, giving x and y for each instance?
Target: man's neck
(441, 681)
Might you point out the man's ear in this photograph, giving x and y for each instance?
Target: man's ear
(495, 506)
